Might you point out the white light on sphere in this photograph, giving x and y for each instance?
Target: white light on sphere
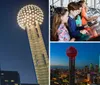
(28, 15)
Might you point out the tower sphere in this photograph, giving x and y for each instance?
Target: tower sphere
(29, 15)
(71, 52)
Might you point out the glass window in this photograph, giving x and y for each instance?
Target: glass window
(6, 80)
(50, 1)
(91, 3)
(97, 3)
(16, 84)
(65, 3)
(12, 81)
(57, 3)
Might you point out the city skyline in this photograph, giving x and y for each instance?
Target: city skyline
(84, 57)
(15, 54)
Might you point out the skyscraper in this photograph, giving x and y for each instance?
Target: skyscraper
(30, 18)
(91, 67)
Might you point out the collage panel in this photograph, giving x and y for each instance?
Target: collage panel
(74, 20)
(24, 42)
(38, 42)
(74, 64)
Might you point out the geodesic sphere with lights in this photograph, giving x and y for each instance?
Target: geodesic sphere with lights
(29, 15)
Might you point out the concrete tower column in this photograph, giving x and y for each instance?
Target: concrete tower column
(39, 54)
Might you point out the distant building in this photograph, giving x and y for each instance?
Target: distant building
(86, 69)
(91, 67)
(88, 77)
(9, 78)
(96, 68)
(29, 84)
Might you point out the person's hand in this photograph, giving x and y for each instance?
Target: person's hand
(73, 39)
(83, 31)
(86, 26)
(95, 17)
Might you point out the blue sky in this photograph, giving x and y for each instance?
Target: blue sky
(87, 53)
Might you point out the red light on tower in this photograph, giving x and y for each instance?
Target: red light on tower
(71, 52)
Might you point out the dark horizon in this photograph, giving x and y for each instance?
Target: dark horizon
(75, 65)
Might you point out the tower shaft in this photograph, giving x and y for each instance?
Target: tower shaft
(39, 54)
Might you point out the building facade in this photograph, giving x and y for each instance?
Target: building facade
(9, 78)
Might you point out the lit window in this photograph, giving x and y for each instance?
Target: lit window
(16, 84)
(2, 73)
(6, 80)
(12, 81)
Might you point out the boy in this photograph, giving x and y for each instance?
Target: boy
(77, 32)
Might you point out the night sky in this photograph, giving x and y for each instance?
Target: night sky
(87, 53)
(15, 54)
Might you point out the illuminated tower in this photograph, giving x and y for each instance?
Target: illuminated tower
(30, 18)
(71, 53)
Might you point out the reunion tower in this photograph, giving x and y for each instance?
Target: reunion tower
(30, 18)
